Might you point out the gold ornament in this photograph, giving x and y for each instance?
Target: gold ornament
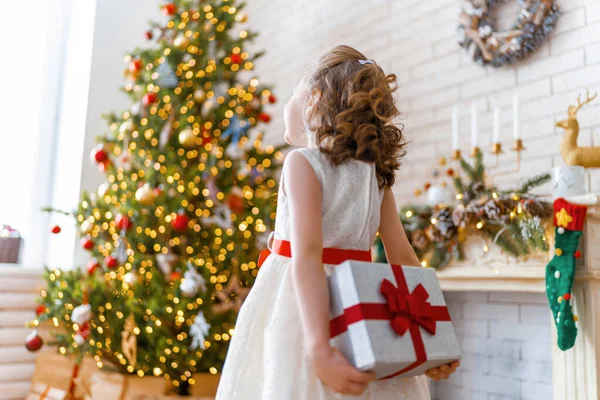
(181, 41)
(187, 137)
(199, 95)
(588, 157)
(231, 297)
(145, 195)
(87, 226)
(443, 162)
(129, 340)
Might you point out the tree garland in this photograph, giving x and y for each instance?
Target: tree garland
(514, 220)
(487, 46)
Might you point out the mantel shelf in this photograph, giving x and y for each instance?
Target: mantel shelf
(530, 278)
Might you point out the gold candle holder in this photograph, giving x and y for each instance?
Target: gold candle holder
(456, 155)
(496, 148)
(475, 151)
(518, 145)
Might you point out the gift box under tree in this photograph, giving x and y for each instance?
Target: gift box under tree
(390, 319)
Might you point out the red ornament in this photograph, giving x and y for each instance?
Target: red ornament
(92, 266)
(450, 172)
(149, 35)
(39, 310)
(149, 98)
(206, 137)
(577, 254)
(99, 155)
(34, 342)
(103, 166)
(158, 191)
(427, 185)
(175, 276)
(236, 58)
(272, 99)
(56, 229)
(110, 262)
(264, 117)
(87, 243)
(235, 203)
(169, 9)
(85, 330)
(135, 65)
(180, 222)
(122, 222)
(567, 296)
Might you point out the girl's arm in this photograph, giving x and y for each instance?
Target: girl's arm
(399, 251)
(310, 282)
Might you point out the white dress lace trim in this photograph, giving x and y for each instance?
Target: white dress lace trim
(267, 359)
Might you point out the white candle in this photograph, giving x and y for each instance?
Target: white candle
(455, 128)
(474, 133)
(516, 130)
(496, 132)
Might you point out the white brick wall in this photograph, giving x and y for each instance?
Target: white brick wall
(505, 339)
(415, 39)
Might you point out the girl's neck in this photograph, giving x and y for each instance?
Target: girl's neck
(310, 139)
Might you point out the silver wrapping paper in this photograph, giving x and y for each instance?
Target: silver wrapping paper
(373, 345)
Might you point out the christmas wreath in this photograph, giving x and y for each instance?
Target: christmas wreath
(476, 33)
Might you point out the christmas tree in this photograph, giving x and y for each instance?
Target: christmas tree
(175, 231)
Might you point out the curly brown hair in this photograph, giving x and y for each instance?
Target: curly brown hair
(353, 118)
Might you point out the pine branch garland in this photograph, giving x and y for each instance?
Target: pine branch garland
(534, 182)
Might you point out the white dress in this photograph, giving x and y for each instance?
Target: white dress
(267, 359)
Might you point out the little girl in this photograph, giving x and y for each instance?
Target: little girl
(334, 193)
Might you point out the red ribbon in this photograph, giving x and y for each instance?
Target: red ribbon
(406, 312)
(330, 256)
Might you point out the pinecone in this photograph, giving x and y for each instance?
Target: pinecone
(538, 208)
(444, 223)
(433, 234)
(419, 240)
(463, 216)
(478, 187)
(492, 210)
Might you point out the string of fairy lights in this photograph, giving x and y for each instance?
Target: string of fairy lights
(169, 217)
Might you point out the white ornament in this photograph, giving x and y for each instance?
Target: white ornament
(81, 314)
(199, 331)
(86, 226)
(233, 151)
(557, 274)
(192, 282)
(103, 189)
(130, 278)
(221, 217)
(165, 262)
(560, 230)
(79, 339)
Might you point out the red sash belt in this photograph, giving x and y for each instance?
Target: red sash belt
(330, 256)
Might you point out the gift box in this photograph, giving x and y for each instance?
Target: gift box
(41, 391)
(64, 373)
(390, 319)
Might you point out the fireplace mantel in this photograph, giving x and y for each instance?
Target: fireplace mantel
(576, 372)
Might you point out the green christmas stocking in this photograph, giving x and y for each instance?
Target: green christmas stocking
(560, 272)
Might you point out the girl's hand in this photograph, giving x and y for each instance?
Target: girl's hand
(334, 369)
(443, 372)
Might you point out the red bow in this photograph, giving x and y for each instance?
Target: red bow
(408, 308)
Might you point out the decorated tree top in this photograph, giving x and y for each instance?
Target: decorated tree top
(175, 230)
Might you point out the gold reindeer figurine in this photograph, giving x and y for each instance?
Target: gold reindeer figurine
(588, 157)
